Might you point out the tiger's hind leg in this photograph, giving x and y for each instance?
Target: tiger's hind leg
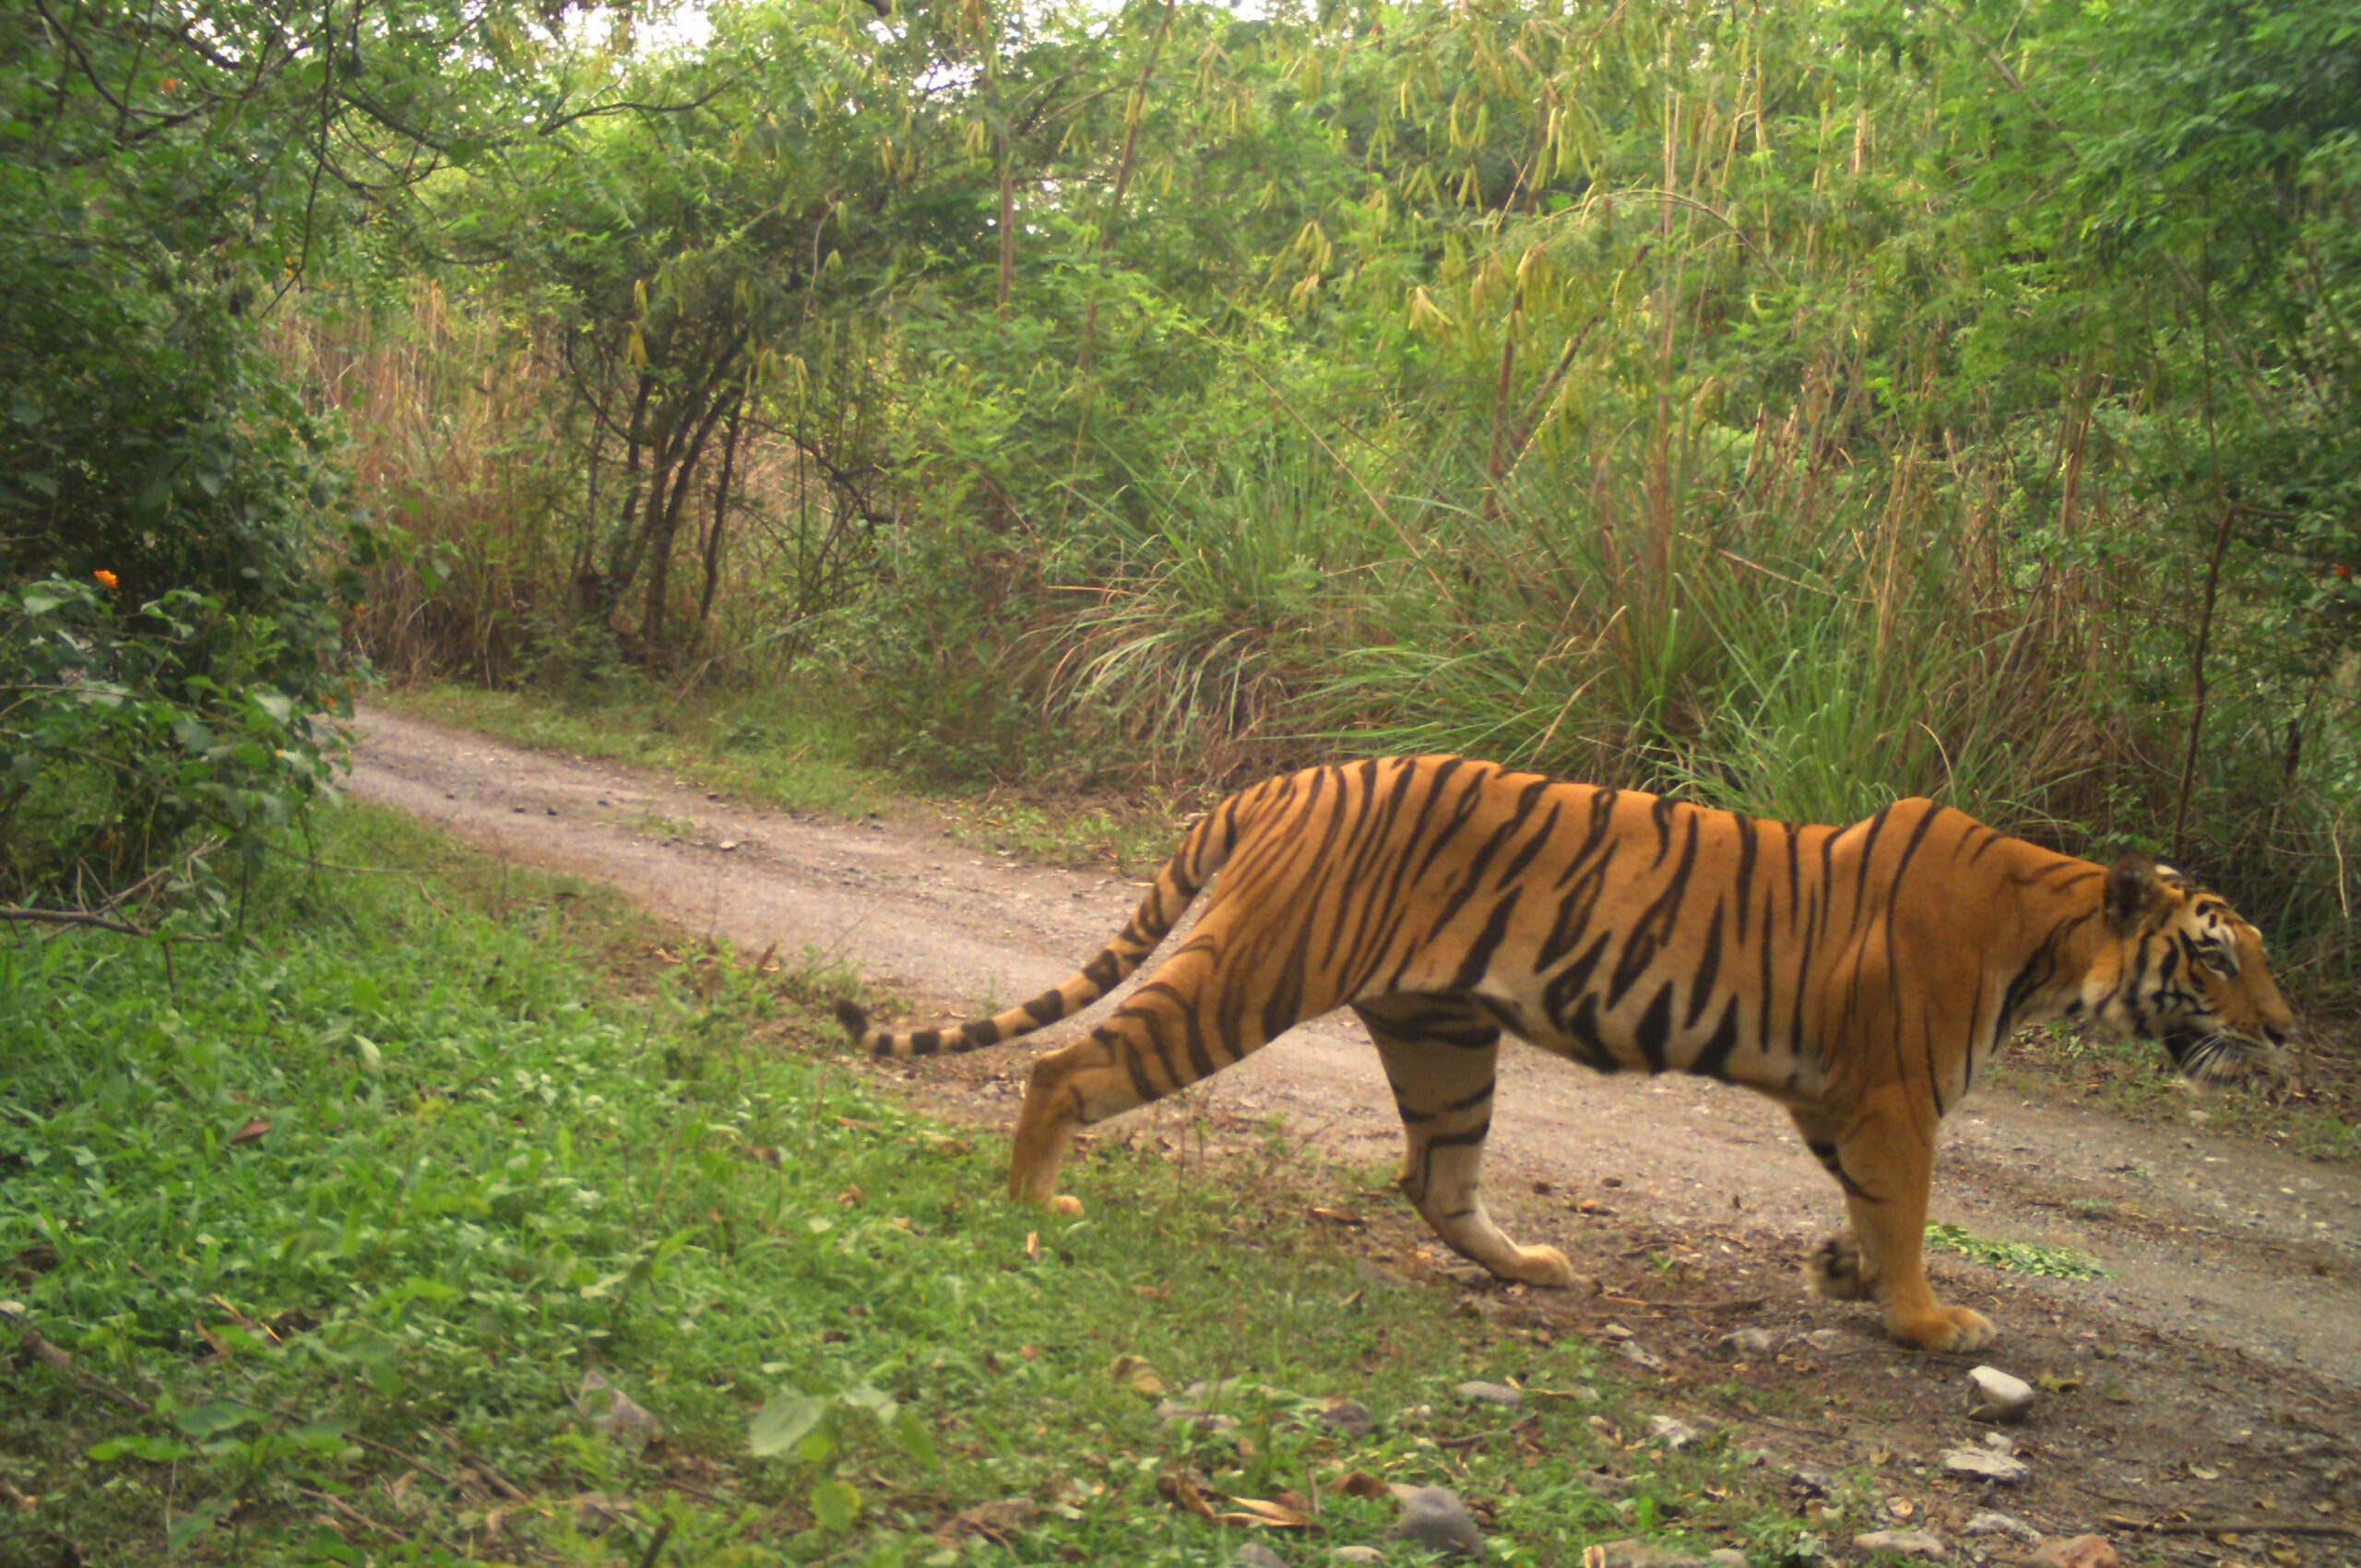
(1439, 1055)
(1164, 1038)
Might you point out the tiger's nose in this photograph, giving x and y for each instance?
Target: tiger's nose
(2276, 1036)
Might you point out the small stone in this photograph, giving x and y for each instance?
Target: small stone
(1433, 1517)
(1640, 1355)
(1255, 1554)
(1499, 1394)
(1999, 1443)
(1819, 1340)
(1908, 1544)
(1348, 1419)
(1674, 1435)
(1992, 1522)
(1749, 1342)
(1994, 1395)
(2075, 1551)
(1982, 1464)
(1355, 1554)
(1726, 1557)
(1629, 1553)
(616, 1412)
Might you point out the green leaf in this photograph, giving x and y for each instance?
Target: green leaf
(836, 1504)
(211, 1420)
(910, 1434)
(784, 1421)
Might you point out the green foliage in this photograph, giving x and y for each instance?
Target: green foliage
(167, 178)
(126, 730)
(2018, 1257)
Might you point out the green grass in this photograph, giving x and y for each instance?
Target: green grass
(335, 1223)
(2017, 1258)
(774, 751)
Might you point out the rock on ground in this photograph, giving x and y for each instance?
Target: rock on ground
(2075, 1551)
(1909, 1543)
(1433, 1517)
(1994, 1395)
(1497, 1393)
(1983, 1464)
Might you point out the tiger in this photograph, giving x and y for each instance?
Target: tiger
(1862, 977)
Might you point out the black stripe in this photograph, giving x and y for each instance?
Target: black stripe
(1656, 1027)
(1714, 1061)
(1709, 967)
(1479, 954)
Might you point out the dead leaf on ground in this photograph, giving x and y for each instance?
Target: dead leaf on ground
(1184, 1493)
(1268, 1513)
(250, 1132)
(1337, 1216)
(1360, 1484)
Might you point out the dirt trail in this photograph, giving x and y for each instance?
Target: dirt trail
(2210, 1243)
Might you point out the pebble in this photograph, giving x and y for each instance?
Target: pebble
(2076, 1552)
(1992, 1522)
(1640, 1355)
(1349, 1418)
(1985, 1465)
(1674, 1435)
(1726, 1557)
(1357, 1554)
(1255, 1554)
(1994, 1395)
(1499, 1394)
(1909, 1543)
(1819, 1340)
(1433, 1517)
(1749, 1342)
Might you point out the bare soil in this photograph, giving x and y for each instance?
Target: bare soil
(2209, 1385)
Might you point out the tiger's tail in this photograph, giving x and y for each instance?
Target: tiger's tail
(1203, 852)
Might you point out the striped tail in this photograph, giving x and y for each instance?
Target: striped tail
(1201, 853)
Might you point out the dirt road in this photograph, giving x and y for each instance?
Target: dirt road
(2209, 1244)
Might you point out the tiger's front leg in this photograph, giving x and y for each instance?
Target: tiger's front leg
(1883, 1155)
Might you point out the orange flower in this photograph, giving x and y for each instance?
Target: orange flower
(106, 579)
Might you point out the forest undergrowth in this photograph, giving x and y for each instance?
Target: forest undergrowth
(1796, 411)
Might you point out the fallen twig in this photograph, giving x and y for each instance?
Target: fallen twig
(2230, 1526)
(58, 1361)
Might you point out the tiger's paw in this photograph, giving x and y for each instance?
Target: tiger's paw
(1065, 1205)
(1542, 1265)
(1945, 1328)
(1837, 1271)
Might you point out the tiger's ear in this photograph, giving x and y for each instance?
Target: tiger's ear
(2133, 888)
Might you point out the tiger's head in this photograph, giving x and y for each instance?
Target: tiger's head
(2182, 967)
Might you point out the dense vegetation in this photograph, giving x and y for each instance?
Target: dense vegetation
(1797, 406)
